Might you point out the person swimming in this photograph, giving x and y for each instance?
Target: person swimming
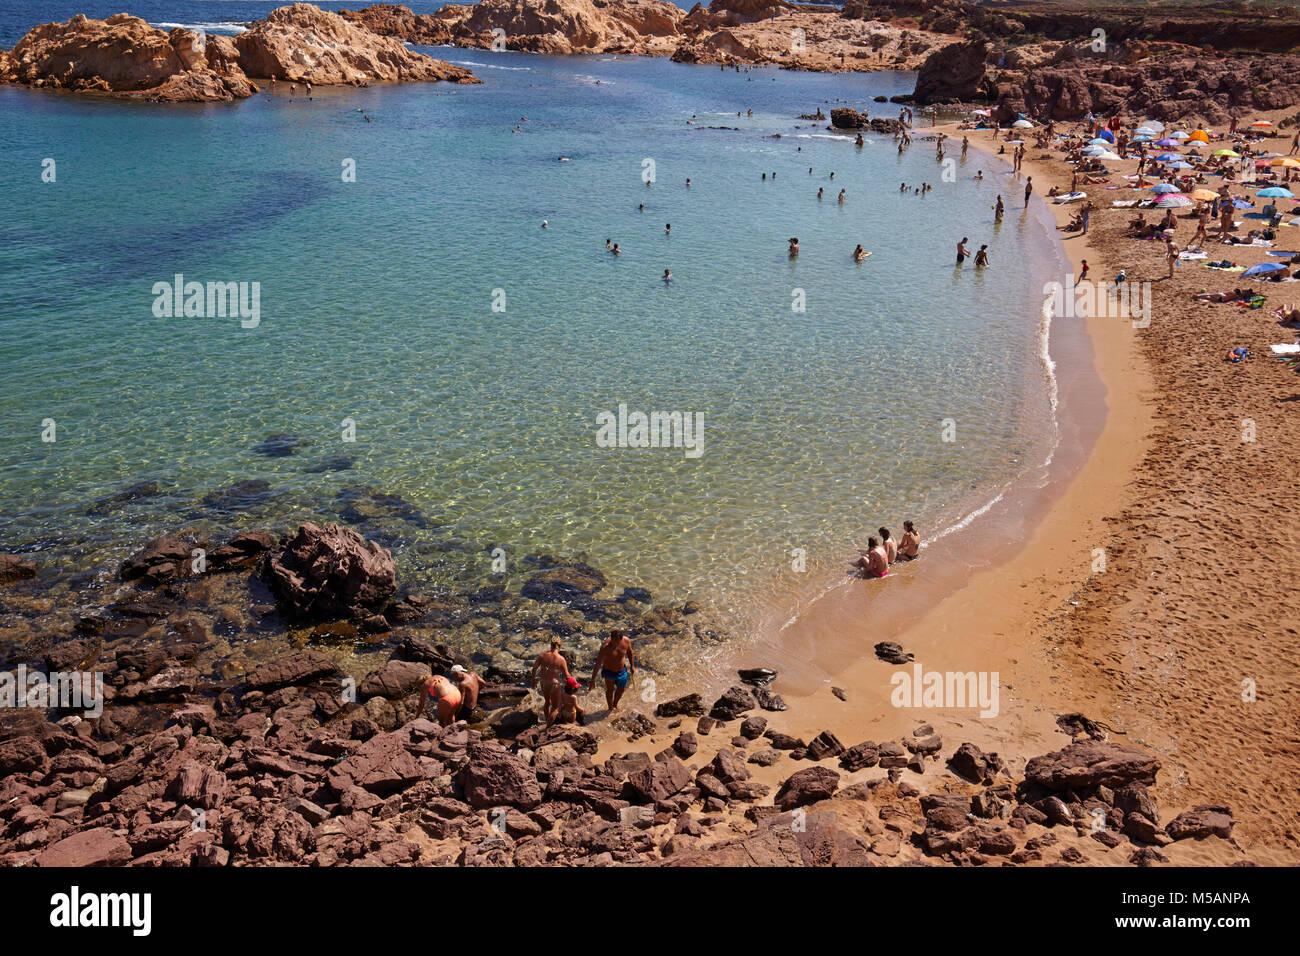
(609, 243)
(858, 254)
(962, 251)
(981, 257)
(668, 228)
(794, 247)
(616, 250)
(545, 225)
(979, 174)
(841, 199)
(668, 276)
(820, 192)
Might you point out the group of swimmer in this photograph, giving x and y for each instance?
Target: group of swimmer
(454, 696)
(880, 555)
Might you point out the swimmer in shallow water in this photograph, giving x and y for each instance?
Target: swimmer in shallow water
(668, 229)
(668, 276)
(909, 547)
(616, 250)
(859, 254)
(794, 248)
(545, 224)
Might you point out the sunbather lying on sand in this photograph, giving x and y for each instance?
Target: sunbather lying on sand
(1236, 295)
(1288, 314)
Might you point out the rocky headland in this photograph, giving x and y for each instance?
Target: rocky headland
(125, 56)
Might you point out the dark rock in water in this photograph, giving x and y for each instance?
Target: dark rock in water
(692, 705)
(492, 594)
(640, 595)
(337, 463)
(159, 561)
(757, 676)
(298, 667)
(892, 653)
(807, 786)
(77, 654)
(240, 496)
(242, 550)
(279, 445)
(1202, 822)
(1087, 764)
(361, 504)
(136, 492)
(14, 568)
(768, 700)
(845, 118)
(439, 657)
(330, 572)
(564, 583)
(734, 702)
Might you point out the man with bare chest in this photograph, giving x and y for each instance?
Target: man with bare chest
(615, 664)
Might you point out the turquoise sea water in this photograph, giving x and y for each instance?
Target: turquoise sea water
(376, 305)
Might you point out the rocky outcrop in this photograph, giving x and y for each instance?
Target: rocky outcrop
(125, 56)
(564, 26)
(954, 72)
(1164, 89)
(329, 573)
(304, 44)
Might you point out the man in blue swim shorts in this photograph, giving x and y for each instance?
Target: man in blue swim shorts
(615, 665)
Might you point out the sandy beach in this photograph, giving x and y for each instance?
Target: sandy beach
(1195, 595)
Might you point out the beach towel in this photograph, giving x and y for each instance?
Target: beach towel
(1285, 349)
(1189, 256)
(1123, 203)
(1284, 255)
(1210, 265)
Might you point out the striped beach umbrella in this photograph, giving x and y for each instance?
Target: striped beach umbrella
(1172, 201)
(1164, 188)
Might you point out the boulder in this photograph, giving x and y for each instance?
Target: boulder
(495, 777)
(381, 765)
(807, 786)
(1089, 763)
(15, 568)
(565, 583)
(329, 573)
(692, 705)
(954, 72)
(96, 847)
(296, 667)
(1201, 822)
(394, 680)
(734, 702)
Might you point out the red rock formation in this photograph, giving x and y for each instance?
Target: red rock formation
(125, 56)
(565, 26)
(305, 44)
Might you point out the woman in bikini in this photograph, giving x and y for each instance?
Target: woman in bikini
(910, 546)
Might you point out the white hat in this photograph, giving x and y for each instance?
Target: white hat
(457, 669)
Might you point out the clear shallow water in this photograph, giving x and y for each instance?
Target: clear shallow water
(376, 305)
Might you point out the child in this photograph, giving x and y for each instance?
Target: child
(570, 712)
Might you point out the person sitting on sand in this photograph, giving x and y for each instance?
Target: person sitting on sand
(909, 547)
(1288, 315)
(889, 544)
(553, 670)
(470, 686)
(873, 562)
(615, 665)
(1237, 354)
(446, 697)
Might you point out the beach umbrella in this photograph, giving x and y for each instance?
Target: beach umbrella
(1200, 136)
(1226, 152)
(1108, 156)
(1166, 142)
(1106, 135)
(1286, 161)
(1098, 142)
(1154, 125)
(1264, 268)
(1168, 158)
(1164, 188)
(1023, 124)
(1179, 165)
(1261, 124)
(1205, 195)
(1275, 192)
(1172, 201)
(1179, 135)
(981, 113)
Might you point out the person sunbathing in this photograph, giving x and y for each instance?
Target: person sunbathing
(1236, 295)
(1288, 314)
